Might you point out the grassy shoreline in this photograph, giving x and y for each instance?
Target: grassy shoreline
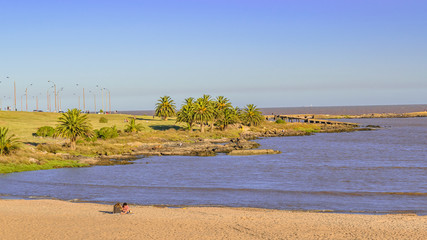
(158, 137)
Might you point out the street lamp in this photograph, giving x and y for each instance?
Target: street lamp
(77, 85)
(21, 101)
(94, 98)
(26, 97)
(14, 93)
(109, 100)
(55, 92)
(59, 99)
(102, 98)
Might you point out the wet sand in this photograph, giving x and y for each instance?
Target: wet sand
(54, 219)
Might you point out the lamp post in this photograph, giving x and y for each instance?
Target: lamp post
(37, 102)
(0, 102)
(109, 100)
(59, 99)
(55, 93)
(21, 101)
(14, 94)
(47, 101)
(84, 102)
(94, 99)
(102, 98)
(78, 95)
(26, 97)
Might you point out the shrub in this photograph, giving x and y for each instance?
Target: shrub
(132, 126)
(45, 131)
(51, 148)
(107, 132)
(103, 120)
(280, 121)
(7, 143)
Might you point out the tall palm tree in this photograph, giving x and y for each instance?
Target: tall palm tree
(186, 114)
(228, 116)
(220, 105)
(73, 124)
(165, 107)
(203, 112)
(7, 143)
(251, 115)
(189, 101)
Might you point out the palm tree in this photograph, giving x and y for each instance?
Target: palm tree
(186, 114)
(189, 101)
(228, 116)
(7, 143)
(252, 115)
(73, 124)
(220, 105)
(165, 107)
(132, 126)
(203, 111)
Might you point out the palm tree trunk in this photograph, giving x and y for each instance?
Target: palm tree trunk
(202, 127)
(73, 144)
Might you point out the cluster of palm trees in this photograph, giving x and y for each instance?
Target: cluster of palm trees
(206, 111)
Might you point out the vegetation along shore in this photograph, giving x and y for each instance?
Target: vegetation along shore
(202, 127)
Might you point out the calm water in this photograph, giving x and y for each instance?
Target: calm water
(370, 171)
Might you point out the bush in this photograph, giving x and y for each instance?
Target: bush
(107, 132)
(7, 142)
(45, 131)
(103, 120)
(280, 121)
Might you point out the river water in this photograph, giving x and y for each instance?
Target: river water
(381, 171)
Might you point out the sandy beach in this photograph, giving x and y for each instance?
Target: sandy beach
(54, 219)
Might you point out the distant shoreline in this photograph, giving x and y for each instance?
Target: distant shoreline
(332, 110)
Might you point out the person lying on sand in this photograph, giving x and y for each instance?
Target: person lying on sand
(125, 209)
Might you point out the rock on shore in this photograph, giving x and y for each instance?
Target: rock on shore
(254, 152)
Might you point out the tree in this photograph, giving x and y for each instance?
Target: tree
(7, 143)
(221, 104)
(186, 113)
(228, 116)
(73, 124)
(203, 111)
(132, 126)
(165, 107)
(251, 115)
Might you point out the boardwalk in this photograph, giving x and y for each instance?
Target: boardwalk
(307, 119)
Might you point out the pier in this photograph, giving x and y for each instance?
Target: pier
(307, 119)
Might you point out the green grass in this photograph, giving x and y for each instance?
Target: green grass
(38, 153)
(48, 164)
(24, 124)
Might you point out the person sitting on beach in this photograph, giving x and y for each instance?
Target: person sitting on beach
(117, 208)
(125, 209)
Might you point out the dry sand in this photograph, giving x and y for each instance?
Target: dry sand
(53, 219)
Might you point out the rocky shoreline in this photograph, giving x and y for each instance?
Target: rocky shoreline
(207, 147)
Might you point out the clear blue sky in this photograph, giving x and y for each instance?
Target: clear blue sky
(270, 53)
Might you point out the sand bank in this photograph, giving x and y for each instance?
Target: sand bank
(52, 219)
